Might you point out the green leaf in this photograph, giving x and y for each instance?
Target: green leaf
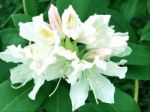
(85, 8)
(90, 107)
(60, 101)
(129, 9)
(138, 72)
(44, 0)
(18, 101)
(121, 25)
(140, 8)
(140, 55)
(17, 18)
(62, 5)
(148, 6)
(71, 45)
(123, 103)
(30, 7)
(4, 70)
(43, 7)
(10, 36)
(146, 32)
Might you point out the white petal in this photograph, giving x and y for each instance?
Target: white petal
(118, 43)
(27, 31)
(41, 55)
(99, 34)
(41, 65)
(71, 22)
(118, 40)
(102, 88)
(21, 74)
(44, 30)
(55, 20)
(78, 67)
(57, 70)
(114, 70)
(38, 82)
(100, 63)
(127, 51)
(38, 22)
(101, 53)
(86, 35)
(98, 20)
(79, 93)
(122, 62)
(74, 76)
(66, 53)
(13, 54)
(38, 31)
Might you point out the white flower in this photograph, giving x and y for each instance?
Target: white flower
(13, 54)
(95, 32)
(48, 58)
(70, 23)
(103, 36)
(90, 75)
(34, 58)
(38, 31)
(102, 42)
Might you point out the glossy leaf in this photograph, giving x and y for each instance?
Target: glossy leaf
(138, 72)
(140, 8)
(62, 5)
(129, 9)
(85, 8)
(121, 25)
(60, 101)
(18, 101)
(140, 55)
(123, 103)
(30, 7)
(148, 6)
(10, 37)
(5, 70)
(17, 18)
(146, 32)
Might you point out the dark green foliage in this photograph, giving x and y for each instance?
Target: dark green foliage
(131, 16)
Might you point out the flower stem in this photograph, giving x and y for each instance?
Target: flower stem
(136, 90)
(55, 87)
(24, 6)
(91, 87)
(65, 70)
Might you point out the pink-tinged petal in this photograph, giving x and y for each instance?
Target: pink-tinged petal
(55, 20)
(101, 53)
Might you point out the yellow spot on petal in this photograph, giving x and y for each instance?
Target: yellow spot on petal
(71, 21)
(47, 34)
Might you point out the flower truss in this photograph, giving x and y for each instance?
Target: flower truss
(68, 48)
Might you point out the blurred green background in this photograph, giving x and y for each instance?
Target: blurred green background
(138, 22)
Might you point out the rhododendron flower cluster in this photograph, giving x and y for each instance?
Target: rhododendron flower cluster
(67, 48)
